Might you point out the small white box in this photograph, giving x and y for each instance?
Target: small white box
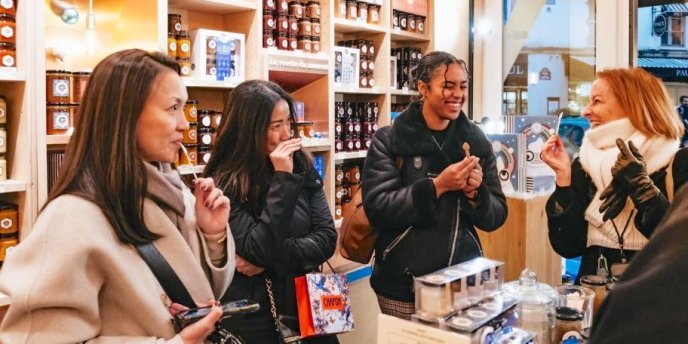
(218, 55)
(346, 64)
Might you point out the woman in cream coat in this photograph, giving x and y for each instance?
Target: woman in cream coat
(78, 276)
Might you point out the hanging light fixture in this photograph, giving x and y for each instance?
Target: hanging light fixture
(91, 39)
(66, 10)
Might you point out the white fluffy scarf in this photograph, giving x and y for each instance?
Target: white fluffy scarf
(597, 155)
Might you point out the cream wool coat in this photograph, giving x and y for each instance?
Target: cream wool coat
(72, 280)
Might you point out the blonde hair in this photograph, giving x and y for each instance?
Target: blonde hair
(645, 101)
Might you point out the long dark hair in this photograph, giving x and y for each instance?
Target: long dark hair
(102, 163)
(239, 163)
(431, 62)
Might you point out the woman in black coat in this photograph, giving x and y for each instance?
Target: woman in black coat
(280, 219)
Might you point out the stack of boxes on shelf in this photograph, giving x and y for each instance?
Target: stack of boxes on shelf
(355, 124)
(361, 11)
(407, 59)
(292, 25)
(347, 183)
(200, 138)
(366, 70)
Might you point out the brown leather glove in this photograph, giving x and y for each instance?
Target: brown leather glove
(631, 172)
(613, 198)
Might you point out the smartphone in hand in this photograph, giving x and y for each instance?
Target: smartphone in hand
(190, 316)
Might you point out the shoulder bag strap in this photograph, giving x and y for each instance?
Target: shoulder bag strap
(669, 183)
(168, 279)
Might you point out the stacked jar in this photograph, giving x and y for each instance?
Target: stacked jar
(407, 59)
(347, 183)
(63, 91)
(8, 34)
(9, 228)
(361, 11)
(366, 68)
(355, 124)
(201, 136)
(179, 43)
(292, 25)
(408, 22)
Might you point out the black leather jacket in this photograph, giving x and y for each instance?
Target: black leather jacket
(419, 233)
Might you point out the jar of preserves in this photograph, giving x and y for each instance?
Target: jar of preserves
(191, 110)
(8, 7)
(568, 324)
(338, 194)
(58, 118)
(338, 175)
(268, 20)
(371, 79)
(282, 23)
(338, 212)
(204, 137)
(315, 44)
(411, 21)
(420, 24)
(183, 45)
(293, 25)
(204, 152)
(395, 19)
(363, 65)
(184, 66)
(5, 243)
(355, 174)
(304, 43)
(282, 41)
(314, 9)
(283, 6)
(296, 9)
(216, 119)
(349, 143)
(58, 86)
(363, 80)
(171, 45)
(340, 9)
(304, 27)
(3, 110)
(192, 158)
(190, 136)
(8, 55)
(269, 5)
(8, 218)
(174, 23)
(205, 119)
(402, 20)
(80, 83)
(339, 144)
(598, 284)
(373, 14)
(362, 11)
(293, 43)
(268, 41)
(351, 10)
(315, 27)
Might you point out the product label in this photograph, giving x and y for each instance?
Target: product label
(316, 29)
(60, 120)
(212, 71)
(364, 49)
(293, 45)
(357, 145)
(178, 26)
(2, 113)
(271, 23)
(185, 70)
(185, 47)
(364, 65)
(206, 157)
(317, 11)
(7, 3)
(307, 47)
(375, 17)
(420, 27)
(206, 139)
(412, 23)
(371, 82)
(6, 223)
(403, 22)
(271, 3)
(357, 128)
(285, 25)
(342, 9)
(285, 44)
(372, 50)
(206, 121)
(193, 156)
(193, 112)
(217, 120)
(7, 31)
(371, 65)
(192, 134)
(285, 6)
(270, 42)
(211, 43)
(173, 46)
(8, 61)
(338, 212)
(60, 88)
(294, 27)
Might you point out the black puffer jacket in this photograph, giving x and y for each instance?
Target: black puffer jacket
(291, 235)
(441, 230)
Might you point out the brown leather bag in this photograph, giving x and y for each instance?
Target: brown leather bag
(358, 235)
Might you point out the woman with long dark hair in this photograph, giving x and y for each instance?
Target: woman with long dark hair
(280, 219)
(78, 276)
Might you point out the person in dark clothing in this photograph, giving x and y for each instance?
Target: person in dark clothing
(682, 110)
(439, 194)
(649, 304)
(281, 221)
(608, 202)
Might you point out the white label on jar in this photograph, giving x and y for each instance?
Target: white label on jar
(7, 3)
(299, 11)
(2, 112)
(358, 175)
(371, 82)
(293, 44)
(338, 146)
(374, 17)
(271, 3)
(301, 134)
(342, 9)
(217, 120)
(311, 133)
(193, 112)
(185, 70)
(294, 26)
(413, 56)
(285, 44)
(6, 223)
(8, 61)
(285, 24)
(371, 65)
(192, 156)
(213, 71)
(403, 22)
(271, 23)
(364, 14)
(357, 128)
(368, 143)
(206, 121)
(374, 126)
(316, 47)
(192, 134)
(413, 24)
(339, 194)
(173, 46)
(364, 65)
(351, 128)
(317, 11)
(340, 177)
(372, 50)
(270, 42)
(364, 81)
(206, 157)
(338, 212)
(420, 27)
(308, 27)
(178, 26)
(60, 120)
(396, 21)
(357, 145)
(206, 139)
(285, 6)
(364, 48)
(316, 29)
(307, 47)
(338, 128)
(185, 47)
(350, 145)
(376, 109)
(212, 44)
(60, 88)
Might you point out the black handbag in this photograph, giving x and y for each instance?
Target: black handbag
(286, 326)
(177, 292)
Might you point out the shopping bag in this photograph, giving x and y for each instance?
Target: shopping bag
(323, 304)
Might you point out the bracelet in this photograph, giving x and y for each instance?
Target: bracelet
(214, 237)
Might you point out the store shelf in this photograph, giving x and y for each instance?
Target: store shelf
(11, 74)
(295, 69)
(404, 36)
(58, 139)
(317, 144)
(410, 93)
(215, 6)
(188, 169)
(343, 25)
(359, 90)
(350, 155)
(191, 82)
(7, 186)
(4, 300)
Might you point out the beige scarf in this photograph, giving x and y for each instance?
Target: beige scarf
(597, 155)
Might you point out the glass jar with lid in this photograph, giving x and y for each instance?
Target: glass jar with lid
(283, 6)
(58, 118)
(183, 45)
(296, 9)
(411, 19)
(191, 110)
(184, 66)
(174, 23)
(304, 43)
(5, 243)
(569, 324)
(190, 136)
(315, 27)
(351, 10)
(171, 45)
(304, 27)
(8, 218)
(58, 86)
(8, 7)
(537, 302)
(373, 14)
(362, 11)
(8, 29)
(204, 136)
(192, 157)
(283, 23)
(8, 55)
(269, 5)
(420, 24)
(268, 41)
(314, 9)
(340, 9)
(205, 119)
(293, 43)
(268, 20)
(216, 119)
(204, 152)
(282, 41)
(315, 44)
(597, 284)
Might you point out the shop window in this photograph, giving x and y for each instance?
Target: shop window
(675, 35)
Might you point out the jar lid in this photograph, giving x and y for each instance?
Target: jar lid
(202, 112)
(83, 72)
(291, 16)
(8, 206)
(6, 16)
(205, 147)
(304, 19)
(190, 145)
(303, 37)
(174, 15)
(267, 11)
(315, 38)
(73, 104)
(594, 280)
(204, 130)
(56, 71)
(303, 123)
(7, 45)
(315, 20)
(193, 124)
(184, 59)
(192, 101)
(183, 34)
(569, 314)
(294, 3)
(314, 3)
(57, 104)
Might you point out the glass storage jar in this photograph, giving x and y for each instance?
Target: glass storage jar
(268, 20)
(204, 152)
(8, 7)
(205, 119)
(568, 324)
(315, 27)
(8, 55)
(304, 43)
(190, 136)
(183, 45)
(191, 110)
(58, 118)
(204, 136)
(351, 10)
(313, 9)
(411, 19)
(268, 41)
(5, 243)
(362, 11)
(420, 24)
(282, 23)
(296, 9)
(8, 218)
(283, 6)
(373, 14)
(192, 158)
(58, 86)
(184, 66)
(171, 45)
(293, 43)
(282, 41)
(8, 29)
(304, 27)
(174, 23)
(340, 10)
